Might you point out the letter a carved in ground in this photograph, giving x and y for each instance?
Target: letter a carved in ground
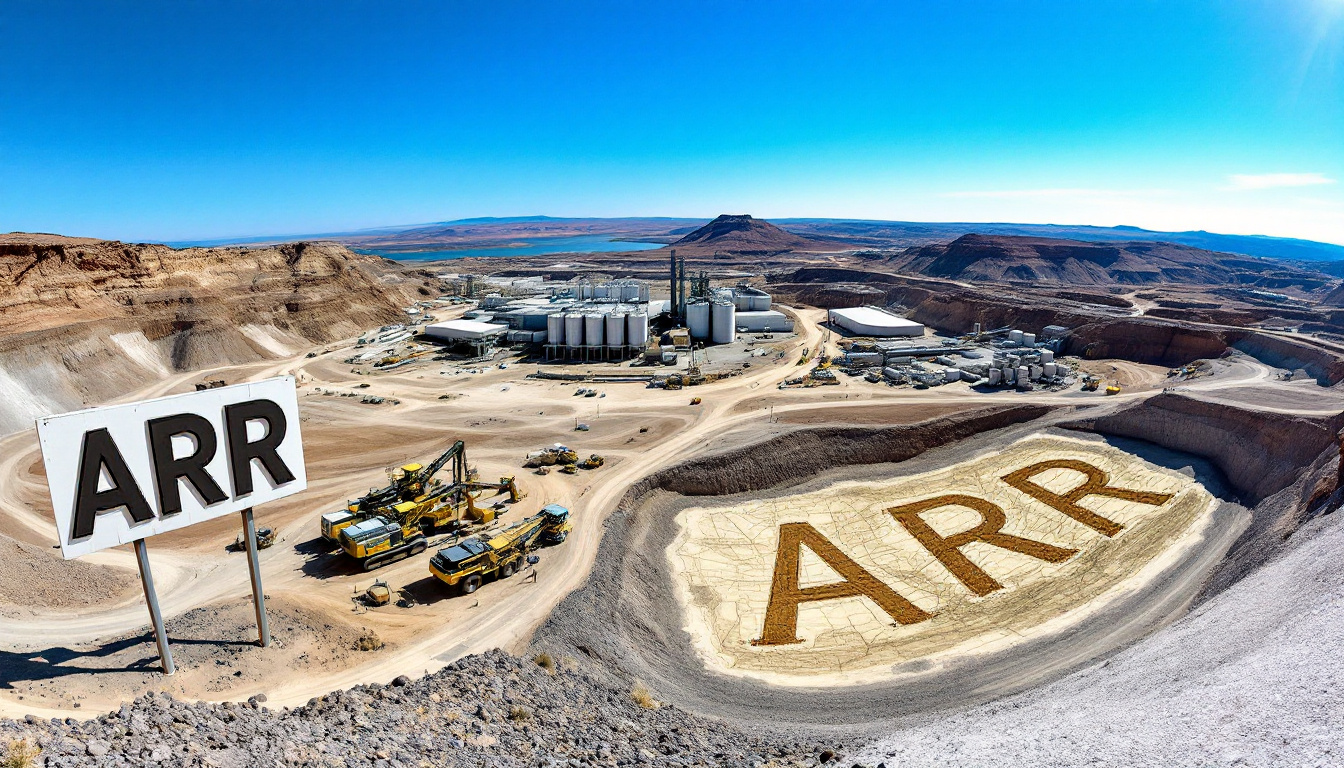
(948, 549)
(1095, 485)
(781, 615)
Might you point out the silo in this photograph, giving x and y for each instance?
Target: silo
(637, 329)
(573, 330)
(601, 291)
(723, 322)
(592, 329)
(615, 330)
(1047, 356)
(555, 329)
(697, 320)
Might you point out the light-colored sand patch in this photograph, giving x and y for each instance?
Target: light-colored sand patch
(141, 351)
(724, 558)
(22, 400)
(269, 339)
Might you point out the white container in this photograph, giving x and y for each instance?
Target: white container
(1009, 374)
(592, 329)
(1015, 337)
(1023, 376)
(555, 329)
(1036, 371)
(637, 329)
(995, 376)
(573, 330)
(1049, 369)
(1047, 356)
(615, 330)
(952, 374)
(697, 320)
(1028, 339)
(723, 322)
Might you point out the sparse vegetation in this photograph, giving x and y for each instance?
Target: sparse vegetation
(20, 753)
(368, 641)
(545, 661)
(518, 714)
(644, 697)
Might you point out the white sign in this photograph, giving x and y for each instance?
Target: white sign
(127, 472)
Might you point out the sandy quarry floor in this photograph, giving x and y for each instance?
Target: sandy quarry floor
(724, 558)
(349, 446)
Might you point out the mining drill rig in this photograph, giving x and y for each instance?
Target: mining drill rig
(394, 522)
(466, 563)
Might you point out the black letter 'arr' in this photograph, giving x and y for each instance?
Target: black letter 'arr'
(101, 450)
(241, 452)
(167, 469)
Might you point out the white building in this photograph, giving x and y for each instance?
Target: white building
(871, 321)
(464, 330)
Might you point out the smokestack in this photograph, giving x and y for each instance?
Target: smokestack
(681, 280)
(675, 312)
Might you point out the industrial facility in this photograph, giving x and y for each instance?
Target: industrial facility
(874, 321)
(1002, 357)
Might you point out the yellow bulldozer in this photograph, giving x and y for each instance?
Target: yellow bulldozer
(394, 522)
(465, 564)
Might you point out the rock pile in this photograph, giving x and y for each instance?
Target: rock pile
(487, 710)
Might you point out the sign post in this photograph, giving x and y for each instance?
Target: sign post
(123, 473)
(254, 568)
(155, 615)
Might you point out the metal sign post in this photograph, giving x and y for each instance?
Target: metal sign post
(152, 599)
(254, 567)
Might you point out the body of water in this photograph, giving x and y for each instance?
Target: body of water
(536, 247)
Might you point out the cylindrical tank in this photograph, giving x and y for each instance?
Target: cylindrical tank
(574, 330)
(892, 374)
(601, 291)
(1015, 337)
(995, 376)
(1036, 372)
(1049, 369)
(1047, 356)
(1023, 375)
(1028, 339)
(637, 329)
(555, 329)
(952, 374)
(697, 320)
(615, 330)
(723, 322)
(592, 329)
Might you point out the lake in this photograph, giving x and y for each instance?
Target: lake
(540, 246)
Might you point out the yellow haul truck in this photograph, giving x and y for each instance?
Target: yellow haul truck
(467, 563)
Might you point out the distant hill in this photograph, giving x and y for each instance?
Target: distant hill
(999, 258)
(741, 234)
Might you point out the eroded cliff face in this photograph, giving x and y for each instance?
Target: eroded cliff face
(84, 320)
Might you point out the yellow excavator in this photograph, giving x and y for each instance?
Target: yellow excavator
(470, 561)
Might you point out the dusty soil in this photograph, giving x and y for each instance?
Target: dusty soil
(37, 578)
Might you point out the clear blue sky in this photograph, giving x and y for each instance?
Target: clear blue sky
(181, 120)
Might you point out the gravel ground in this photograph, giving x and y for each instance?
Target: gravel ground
(488, 710)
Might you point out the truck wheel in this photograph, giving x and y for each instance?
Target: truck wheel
(471, 584)
(508, 569)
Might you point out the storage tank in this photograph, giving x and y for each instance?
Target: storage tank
(723, 322)
(1009, 374)
(1036, 372)
(892, 374)
(995, 376)
(1047, 356)
(1029, 339)
(555, 329)
(697, 320)
(637, 329)
(615, 330)
(1015, 337)
(1049, 369)
(1023, 375)
(601, 291)
(952, 374)
(573, 330)
(592, 329)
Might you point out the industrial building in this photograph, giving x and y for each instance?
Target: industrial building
(873, 321)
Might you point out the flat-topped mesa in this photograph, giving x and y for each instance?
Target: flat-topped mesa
(741, 234)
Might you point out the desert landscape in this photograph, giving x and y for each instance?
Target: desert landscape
(788, 554)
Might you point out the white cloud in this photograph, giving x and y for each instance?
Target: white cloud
(1243, 181)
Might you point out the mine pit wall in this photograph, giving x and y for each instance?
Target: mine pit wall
(1283, 468)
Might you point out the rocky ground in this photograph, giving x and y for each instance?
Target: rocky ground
(488, 710)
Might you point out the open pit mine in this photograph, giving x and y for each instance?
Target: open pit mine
(757, 497)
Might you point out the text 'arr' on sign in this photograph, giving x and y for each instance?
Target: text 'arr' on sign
(131, 471)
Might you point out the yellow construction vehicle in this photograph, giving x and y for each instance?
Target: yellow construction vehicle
(1113, 389)
(695, 401)
(465, 564)
(570, 469)
(410, 483)
(1090, 383)
(592, 462)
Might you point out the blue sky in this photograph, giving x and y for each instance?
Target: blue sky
(183, 120)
